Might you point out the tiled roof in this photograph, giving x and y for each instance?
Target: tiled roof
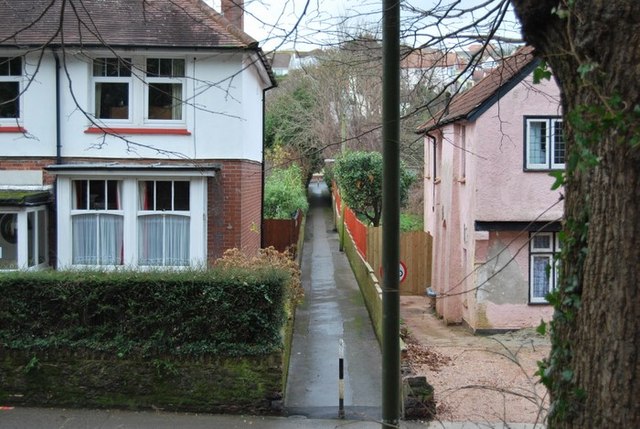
(428, 58)
(464, 105)
(118, 23)
(280, 59)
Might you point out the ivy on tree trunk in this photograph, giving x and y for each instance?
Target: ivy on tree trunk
(593, 48)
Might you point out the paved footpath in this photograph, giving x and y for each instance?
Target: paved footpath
(333, 309)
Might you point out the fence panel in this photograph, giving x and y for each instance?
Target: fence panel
(282, 233)
(415, 254)
(358, 231)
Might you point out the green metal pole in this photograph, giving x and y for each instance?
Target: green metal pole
(391, 214)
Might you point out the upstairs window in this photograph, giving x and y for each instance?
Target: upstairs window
(165, 88)
(10, 79)
(112, 88)
(544, 144)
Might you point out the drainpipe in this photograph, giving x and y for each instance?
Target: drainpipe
(433, 188)
(58, 109)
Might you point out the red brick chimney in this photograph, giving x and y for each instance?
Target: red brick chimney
(233, 10)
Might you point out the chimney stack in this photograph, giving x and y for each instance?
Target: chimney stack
(233, 10)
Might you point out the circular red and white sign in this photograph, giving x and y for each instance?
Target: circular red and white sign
(402, 272)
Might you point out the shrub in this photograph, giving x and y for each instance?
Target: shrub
(359, 177)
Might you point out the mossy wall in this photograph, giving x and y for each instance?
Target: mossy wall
(249, 384)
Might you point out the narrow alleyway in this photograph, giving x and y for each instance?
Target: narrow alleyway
(333, 309)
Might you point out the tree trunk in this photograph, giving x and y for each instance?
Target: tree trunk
(593, 48)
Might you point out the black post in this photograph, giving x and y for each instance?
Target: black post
(391, 214)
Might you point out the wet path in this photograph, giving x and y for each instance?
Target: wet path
(333, 309)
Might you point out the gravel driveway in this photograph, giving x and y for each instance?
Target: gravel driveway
(479, 379)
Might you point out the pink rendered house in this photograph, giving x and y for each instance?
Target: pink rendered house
(488, 198)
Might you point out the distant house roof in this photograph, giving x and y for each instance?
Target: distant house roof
(280, 60)
(428, 58)
(473, 102)
(118, 23)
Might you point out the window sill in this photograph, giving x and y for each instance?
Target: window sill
(139, 131)
(12, 130)
(542, 170)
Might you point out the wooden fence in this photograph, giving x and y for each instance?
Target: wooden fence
(358, 231)
(282, 234)
(415, 250)
(415, 254)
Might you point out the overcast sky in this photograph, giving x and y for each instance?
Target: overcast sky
(308, 24)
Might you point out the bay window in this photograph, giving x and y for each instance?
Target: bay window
(544, 144)
(10, 80)
(97, 222)
(131, 218)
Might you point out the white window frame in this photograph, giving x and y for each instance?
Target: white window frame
(551, 253)
(150, 80)
(550, 141)
(37, 238)
(163, 214)
(96, 213)
(20, 80)
(129, 80)
(22, 243)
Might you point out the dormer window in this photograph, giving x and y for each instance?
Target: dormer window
(165, 88)
(112, 86)
(10, 79)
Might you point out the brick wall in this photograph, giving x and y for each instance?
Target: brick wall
(29, 164)
(235, 208)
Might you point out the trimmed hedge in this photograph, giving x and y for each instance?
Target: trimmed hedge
(221, 312)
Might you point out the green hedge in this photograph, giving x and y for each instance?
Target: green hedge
(130, 314)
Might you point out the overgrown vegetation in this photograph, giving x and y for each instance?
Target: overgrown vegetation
(284, 193)
(411, 222)
(225, 311)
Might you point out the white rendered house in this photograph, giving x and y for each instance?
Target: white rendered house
(130, 134)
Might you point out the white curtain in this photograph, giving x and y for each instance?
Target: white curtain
(163, 240)
(97, 239)
(541, 275)
(177, 240)
(110, 239)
